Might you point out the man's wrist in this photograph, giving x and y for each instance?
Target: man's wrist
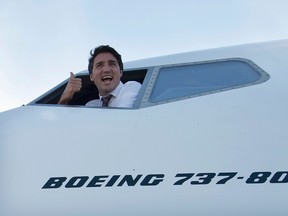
(63, 101)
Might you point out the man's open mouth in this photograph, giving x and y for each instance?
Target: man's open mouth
(107, 78)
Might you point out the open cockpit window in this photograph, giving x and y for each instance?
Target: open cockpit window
(190, 80)
(88, 91)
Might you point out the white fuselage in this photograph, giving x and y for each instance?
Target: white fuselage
(217, 154)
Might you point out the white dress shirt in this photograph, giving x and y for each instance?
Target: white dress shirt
(124, 95)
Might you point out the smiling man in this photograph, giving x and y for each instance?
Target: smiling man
(106, 69)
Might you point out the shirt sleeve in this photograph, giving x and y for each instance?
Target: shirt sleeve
(128, 94)
(94, 103)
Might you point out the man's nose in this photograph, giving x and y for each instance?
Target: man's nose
(106, 67)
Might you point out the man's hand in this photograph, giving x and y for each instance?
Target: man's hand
(74, 85)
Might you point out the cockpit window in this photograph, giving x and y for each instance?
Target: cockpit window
(167, 83)
(88, 91)
(182, 81)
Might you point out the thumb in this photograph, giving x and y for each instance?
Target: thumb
(72, 75)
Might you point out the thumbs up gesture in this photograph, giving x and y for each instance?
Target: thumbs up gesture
(74, 85)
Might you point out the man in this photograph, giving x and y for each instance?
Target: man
(106, 69)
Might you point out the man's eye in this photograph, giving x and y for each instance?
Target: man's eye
(113, 63)
(98, 66)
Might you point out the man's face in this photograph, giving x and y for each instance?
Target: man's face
(106, 73)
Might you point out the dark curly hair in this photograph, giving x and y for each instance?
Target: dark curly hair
(103, 49)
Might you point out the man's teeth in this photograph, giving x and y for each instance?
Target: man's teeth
(107, 78)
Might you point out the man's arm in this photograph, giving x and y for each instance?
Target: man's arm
(74, 85)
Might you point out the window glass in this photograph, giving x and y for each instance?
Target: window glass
(186, 80)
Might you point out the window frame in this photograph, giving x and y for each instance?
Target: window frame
(146, 101)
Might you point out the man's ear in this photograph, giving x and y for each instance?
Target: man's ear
(121, 73)
(91, 78)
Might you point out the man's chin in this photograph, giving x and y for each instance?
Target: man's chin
(105, 91)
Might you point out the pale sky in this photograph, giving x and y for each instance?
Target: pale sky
(41, 41)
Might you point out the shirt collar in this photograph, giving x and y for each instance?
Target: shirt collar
(115, 93)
